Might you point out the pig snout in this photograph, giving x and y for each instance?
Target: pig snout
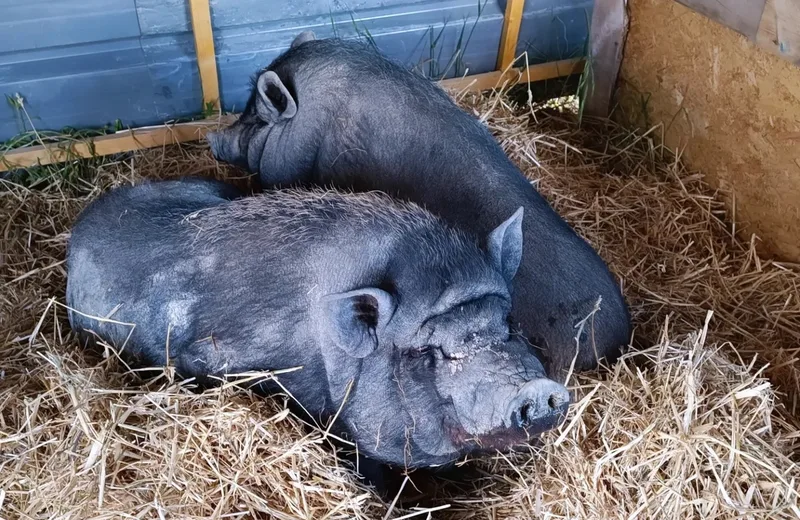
(224, 146)
(539, 405)
(213, 143)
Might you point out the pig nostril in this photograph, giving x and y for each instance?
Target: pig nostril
(541, 406)
(525, 413)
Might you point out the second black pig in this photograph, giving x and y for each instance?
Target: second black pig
(332, 112)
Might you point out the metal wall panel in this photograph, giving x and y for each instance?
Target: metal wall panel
(90, 63)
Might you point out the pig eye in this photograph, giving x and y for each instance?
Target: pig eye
(420, 352)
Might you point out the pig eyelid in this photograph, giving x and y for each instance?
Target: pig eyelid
(452, 306)
(420, 351)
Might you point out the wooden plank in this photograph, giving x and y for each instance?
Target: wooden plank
(510, 35)
(498, 78)
(742, 16)
(156, 136)
(779, 29)
(606, 41)
(124, 141)
(206, 58)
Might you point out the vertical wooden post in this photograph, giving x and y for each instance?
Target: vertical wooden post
(510, 35)
(606, 41)
(206, 58)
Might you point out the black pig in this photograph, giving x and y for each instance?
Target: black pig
(332, 112)
(363, 292)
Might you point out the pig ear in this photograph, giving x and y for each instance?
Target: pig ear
(305, 36)
(355, 319)
(274, 101)
(505, 245)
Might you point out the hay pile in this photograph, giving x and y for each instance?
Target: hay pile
(690, 426)
(675, 431)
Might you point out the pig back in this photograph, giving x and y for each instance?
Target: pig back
(185, 264)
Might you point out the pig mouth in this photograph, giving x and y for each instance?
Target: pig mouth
(500, 438)
(497, 439)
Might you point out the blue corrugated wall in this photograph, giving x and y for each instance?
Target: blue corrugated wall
(88, 63)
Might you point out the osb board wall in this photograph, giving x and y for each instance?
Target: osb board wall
(732, 108)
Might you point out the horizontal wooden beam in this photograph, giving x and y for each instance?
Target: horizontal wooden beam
(500, 79)
(157, 136)
(124, 141)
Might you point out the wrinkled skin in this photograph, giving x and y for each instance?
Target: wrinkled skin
(363, 292)
(336, 113)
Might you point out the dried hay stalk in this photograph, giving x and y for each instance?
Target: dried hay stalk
(682, 429)
(674, 431)
(665, 233)
(88, 443)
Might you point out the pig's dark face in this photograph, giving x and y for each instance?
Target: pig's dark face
(425, 364)
(231, 144)
(243, 142)
(270, 103)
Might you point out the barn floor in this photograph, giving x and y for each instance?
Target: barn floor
(699, 421)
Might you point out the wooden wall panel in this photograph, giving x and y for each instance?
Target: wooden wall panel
(97, 62)
(732, 109)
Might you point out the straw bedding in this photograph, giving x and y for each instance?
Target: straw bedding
(698, 422)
